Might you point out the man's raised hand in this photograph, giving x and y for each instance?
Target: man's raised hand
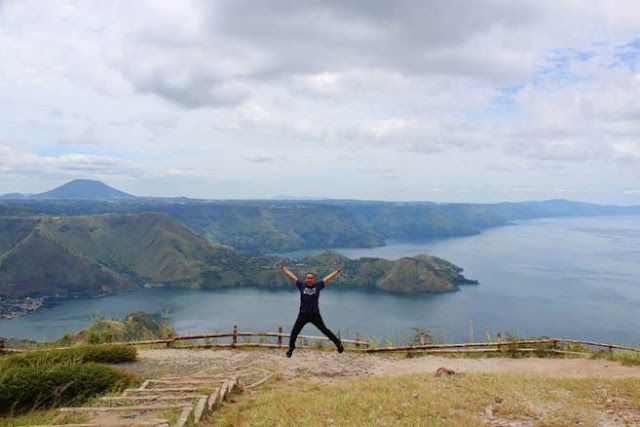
(286, 271)
(333, 275)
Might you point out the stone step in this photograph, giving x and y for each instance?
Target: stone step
(212, 400)
(137, 408)
(203, 393)
(176, 383)
(225, 375)
(200, 377)
(156, 398)
(227, 388)
(199, 409)
(199, 400)
(152, 391)
(113, 414)
(150, 423)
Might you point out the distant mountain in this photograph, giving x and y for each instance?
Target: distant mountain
(83, 189)
(288, 197)
(268, 226)
(557, 208)
(14, 196)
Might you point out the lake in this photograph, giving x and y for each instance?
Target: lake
(569, 277)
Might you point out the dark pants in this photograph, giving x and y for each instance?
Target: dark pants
(316, 319)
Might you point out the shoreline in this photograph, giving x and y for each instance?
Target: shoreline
(52, 301)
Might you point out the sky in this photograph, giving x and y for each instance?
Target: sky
(447, 101)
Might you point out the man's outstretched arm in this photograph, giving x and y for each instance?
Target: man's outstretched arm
(333, 275)
(288, 272)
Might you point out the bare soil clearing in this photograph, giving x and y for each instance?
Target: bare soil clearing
(330, 366)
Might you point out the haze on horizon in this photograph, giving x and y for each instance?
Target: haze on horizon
(457, 101)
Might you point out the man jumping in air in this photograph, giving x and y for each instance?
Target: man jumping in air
(309, 311)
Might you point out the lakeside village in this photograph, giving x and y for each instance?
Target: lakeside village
(10, 308)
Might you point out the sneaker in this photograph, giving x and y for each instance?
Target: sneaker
(340, 348)
(289, 352)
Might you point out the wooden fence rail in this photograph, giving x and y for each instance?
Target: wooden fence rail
(169, 341)
(452, 346)
(548, 345)
(234, 336)
(597, 344)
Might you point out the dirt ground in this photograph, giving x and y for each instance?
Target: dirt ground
(330, 366)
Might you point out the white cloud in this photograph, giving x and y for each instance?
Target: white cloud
(78, 165)
(626, 150)
(543, 93)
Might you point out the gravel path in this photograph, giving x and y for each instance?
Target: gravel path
(329, 366)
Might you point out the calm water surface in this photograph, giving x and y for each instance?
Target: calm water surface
(571, 277)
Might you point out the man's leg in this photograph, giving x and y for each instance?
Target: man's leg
(319, 323)
(297, 327)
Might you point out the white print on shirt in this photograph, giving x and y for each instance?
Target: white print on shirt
(309, 291)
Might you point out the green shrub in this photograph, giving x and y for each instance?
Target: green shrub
(43, 386)
(74, 355)
(134, 327)
(627, 358)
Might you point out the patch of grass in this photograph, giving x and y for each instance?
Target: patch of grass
(74, 355)
(28, 388)
(469, 400)
(627, 358)
(43, 417)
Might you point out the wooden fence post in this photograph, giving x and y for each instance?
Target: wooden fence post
(1, 344)
(235, 335)
(279, 336)
(499, 335)
(422, 338)
(357, 340)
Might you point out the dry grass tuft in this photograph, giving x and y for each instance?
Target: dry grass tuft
(467, 399)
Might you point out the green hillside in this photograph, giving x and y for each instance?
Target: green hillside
(88, 255)
(13, 230)
(150, 245)
(98, 254)
(40, 265)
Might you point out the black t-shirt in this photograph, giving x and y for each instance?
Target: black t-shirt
(309, 296)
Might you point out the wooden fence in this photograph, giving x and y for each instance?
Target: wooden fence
(540, 346)
(172, 342)
(537, 346)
